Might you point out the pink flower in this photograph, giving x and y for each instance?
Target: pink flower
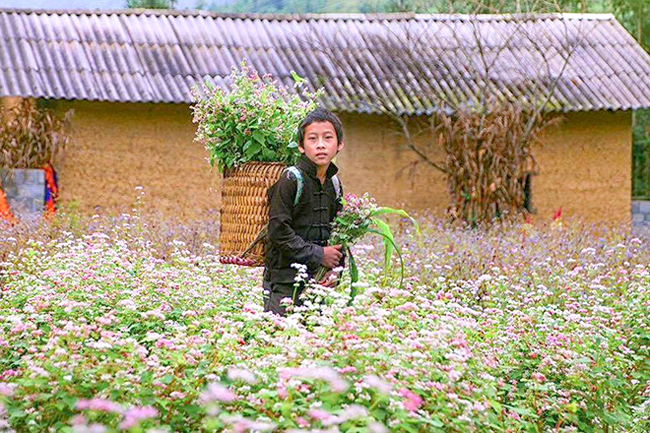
(322, 373)
(490, 361)
(99, 404)
(135, 415)
(78, 420)
(538, 377)
(163, 342)
(352, 412)
(377, 383)
(252, 308)
(18, 328)
(177, 395)
(242, 425)
(454, 375)
(92, 428)
(407, 306)
(376, 427)
(241, 374)
(7, 389)
(319, 414)
(412, 401)
(217, 392)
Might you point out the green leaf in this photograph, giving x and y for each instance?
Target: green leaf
(167, 379)
(146, 376)
(286, 409)
(259, 137)
(496, 406)
(297, 78)
(252, 149)
(354, 270)
(193, 409)
(433, 421)
(397, 250)
(407, 427)
(522, 411)
(400, 212)
(354, 275)
(388, 241)
(354, 429)
(70, 401)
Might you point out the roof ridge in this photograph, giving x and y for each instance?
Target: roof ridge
(304, 17)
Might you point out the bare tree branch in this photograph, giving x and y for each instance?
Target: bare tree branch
(484, 83)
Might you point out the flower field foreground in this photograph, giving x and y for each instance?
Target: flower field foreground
(113, 325)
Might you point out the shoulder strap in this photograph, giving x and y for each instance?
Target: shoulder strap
(337, 185)
(296, 173)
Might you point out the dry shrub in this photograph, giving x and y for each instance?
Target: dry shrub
(488, 157)
(31, 137)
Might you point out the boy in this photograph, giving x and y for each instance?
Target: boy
(298, 233)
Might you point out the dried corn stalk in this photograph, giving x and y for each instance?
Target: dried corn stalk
(31, 137)
(488, 155)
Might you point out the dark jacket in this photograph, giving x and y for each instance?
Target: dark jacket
(297, 234)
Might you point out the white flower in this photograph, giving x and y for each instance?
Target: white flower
(379, 384)
(484, 278)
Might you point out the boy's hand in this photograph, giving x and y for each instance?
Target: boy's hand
(331, 256)
(329, 280)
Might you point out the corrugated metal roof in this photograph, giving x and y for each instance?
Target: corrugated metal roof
(408, 62)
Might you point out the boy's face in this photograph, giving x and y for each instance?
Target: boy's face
(321, 143)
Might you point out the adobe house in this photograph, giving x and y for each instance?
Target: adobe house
(128, 74)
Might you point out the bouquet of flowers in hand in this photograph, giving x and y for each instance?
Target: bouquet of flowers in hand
(360, 216)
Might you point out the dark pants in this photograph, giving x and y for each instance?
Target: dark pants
(276, 292)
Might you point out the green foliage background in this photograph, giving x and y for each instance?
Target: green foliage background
(150, 4)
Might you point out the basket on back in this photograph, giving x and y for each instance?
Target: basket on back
(248, 125)
(245, 211)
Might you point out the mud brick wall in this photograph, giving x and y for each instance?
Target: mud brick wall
(585, 163)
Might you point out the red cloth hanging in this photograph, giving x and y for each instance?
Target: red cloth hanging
(51, 190)
(5, 212)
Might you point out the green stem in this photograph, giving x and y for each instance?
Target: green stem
(354, 275)
(399, 254)
(322, 270)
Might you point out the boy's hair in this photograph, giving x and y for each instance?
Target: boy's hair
(320, 115)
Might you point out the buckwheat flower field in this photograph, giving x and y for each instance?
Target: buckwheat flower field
(132, 324)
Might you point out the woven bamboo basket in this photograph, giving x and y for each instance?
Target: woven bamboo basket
(245, 212)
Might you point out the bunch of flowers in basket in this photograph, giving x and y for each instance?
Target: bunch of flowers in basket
(358, 217)
(255, 120)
